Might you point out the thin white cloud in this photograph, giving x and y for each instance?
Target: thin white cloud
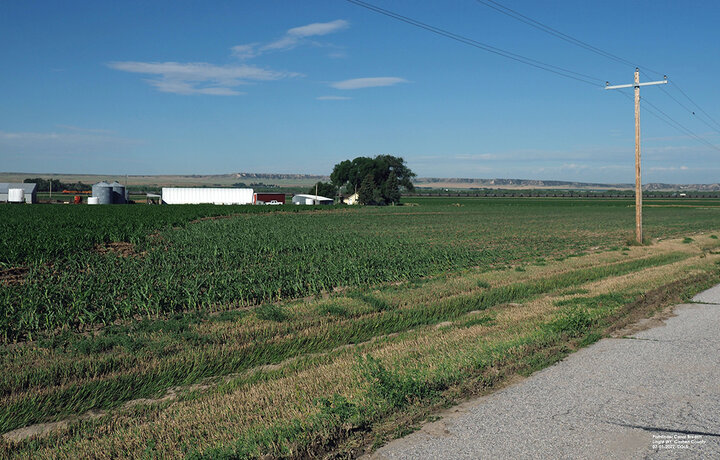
(182, 87)
(292, 38)
(245, 51)
(476, 156)
(372, 82)
(221, 80)
(76, 143)
(318, 28)
(85, 130)
(199, 77)
(668, 168)
(332, 98)
(285, 43)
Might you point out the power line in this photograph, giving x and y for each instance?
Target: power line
(669, 120)
(695, 104)
(689, 132)
(483, 46)
(570, 39)
(692, 112)
(689, 110)
(556, 33)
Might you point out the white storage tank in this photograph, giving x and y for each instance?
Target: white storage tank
(93, 200)
(16, 195)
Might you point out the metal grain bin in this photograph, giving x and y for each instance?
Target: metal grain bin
(105, 194)
(97, 187)
(118, 193)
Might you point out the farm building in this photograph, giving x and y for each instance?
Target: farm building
(269, 198)
(29, 191)
(311, 199)
(352, 199)
(186, 195)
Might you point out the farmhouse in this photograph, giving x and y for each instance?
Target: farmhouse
(29, 191)
(352, 199)
(186, 195)
(311, 199)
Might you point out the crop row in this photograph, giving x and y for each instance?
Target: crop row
(245, 260)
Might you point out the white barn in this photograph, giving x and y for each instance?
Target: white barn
(198, 195)
(311, 199)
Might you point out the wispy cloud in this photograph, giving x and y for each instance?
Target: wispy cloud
(669, 168)
(291, 39)
(199, 77)
(222, 80)
(372, 82)
(85, 130)
(332, 98)
(245, 51)
(47, 148)
(73, 138)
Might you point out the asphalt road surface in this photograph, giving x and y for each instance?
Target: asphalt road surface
(653, 395)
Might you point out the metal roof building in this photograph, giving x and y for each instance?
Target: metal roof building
(30, 190)
(311, 199)
(185, 195)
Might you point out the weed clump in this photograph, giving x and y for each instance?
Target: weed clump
(271, 312)
(482, 284)
(396, 389)
(333, 310)
(573, 322)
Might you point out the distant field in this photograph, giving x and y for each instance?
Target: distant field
(164, 331)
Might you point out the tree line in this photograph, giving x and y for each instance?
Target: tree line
(43, 185)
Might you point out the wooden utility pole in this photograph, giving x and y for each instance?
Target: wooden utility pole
(638, 181)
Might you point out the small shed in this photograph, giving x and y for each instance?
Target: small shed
(311, 199)
(30, 190)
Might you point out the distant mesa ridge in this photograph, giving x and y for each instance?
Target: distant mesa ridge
(243, 175)
(226, 180)
(465, 183)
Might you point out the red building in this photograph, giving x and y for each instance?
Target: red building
(268, 198)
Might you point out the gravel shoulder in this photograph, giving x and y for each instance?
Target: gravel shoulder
(653, 394)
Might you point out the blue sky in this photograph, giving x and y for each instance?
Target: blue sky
(125, 87)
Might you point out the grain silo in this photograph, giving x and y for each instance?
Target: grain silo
(118, 193)
(104, 192)
(96, 188)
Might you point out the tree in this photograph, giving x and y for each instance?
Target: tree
(382, 178)
(391, 189)
(367, 189)
(325, 189)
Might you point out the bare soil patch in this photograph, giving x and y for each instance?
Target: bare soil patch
(120, 248)
(14, 275)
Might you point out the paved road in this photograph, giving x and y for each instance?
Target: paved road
(654, 395)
